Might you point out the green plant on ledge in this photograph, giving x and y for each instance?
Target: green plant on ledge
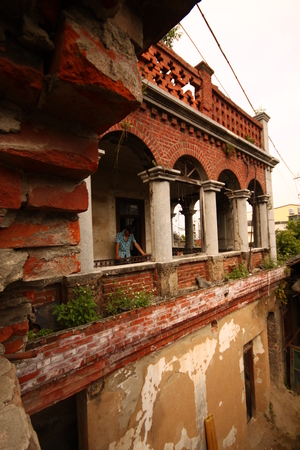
(79, 310)
(236, 273)
(124, 300)
(43, 332)
(228, 149)
(269, 263)
(249, 139)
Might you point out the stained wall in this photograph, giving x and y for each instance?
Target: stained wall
(161, 400)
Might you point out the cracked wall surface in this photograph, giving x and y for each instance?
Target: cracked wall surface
(161, 401)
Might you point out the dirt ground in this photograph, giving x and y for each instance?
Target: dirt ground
(280, 429)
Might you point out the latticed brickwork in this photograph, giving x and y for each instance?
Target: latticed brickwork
(163, 67)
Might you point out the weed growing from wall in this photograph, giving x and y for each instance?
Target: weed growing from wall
(79, 310)
(43, 332)
(125, 299)
(236, 273)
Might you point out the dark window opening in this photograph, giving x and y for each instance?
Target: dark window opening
(249, 381)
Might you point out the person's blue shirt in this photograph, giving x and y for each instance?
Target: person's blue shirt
(124, 246)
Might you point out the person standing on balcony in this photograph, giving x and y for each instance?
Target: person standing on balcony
(123, 242)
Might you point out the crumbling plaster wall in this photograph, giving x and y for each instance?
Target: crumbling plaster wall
(160, 401)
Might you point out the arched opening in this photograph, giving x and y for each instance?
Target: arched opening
(185, 206)
(225, 213)
(119, 197)
(254, 232)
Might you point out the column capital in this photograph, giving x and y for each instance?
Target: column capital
(188, 212)
(262, 116)
(211, 185)
(240, 193)
(159, 173)
(263, 198)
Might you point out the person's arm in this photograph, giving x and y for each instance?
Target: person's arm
(139, 248)
(118, 257)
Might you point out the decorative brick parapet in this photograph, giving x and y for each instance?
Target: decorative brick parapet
(61, 365)
(163, 67)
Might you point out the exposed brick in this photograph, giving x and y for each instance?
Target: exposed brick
(10, 188)
(52, 232)
(57, 195)
(20, 69)
(44, 151)
(37, 266)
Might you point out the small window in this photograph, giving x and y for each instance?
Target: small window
(291, 211)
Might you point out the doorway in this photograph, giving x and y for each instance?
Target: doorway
(131, 212)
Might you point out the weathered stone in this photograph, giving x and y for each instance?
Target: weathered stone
(7, 389)
(21, 74)
(10, 188)
(11, 267)
(202, 283)
(52, 263)
(216, 268)
(7, 217)
(8, 121)
(296, 286)
(56, 195)
(4, 366)
(84, 83)
(53, 151)
(35, 37)
(168, 283)
(15, 428)
(38, 230)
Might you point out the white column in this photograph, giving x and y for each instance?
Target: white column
(239, 199)
(210, 188)
(264, 119)
(160, 209)
(262, 201)
(86, 234)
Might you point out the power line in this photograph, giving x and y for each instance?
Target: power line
(239, 82)
(202, 57)
(281, 157)
(225, 57)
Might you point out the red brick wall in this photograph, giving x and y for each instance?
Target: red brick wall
(61, 365)
(168, 139)
(187, 273)
(130, 282)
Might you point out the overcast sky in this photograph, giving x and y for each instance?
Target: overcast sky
(261, 40)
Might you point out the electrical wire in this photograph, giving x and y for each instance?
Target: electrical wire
(203, 57)
(239, 82)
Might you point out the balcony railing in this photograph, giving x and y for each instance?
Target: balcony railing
(114, 262)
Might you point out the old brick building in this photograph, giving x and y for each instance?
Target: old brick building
(85, 151)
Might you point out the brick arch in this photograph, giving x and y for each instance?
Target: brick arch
(143, 134)
(229, 175)
(186, 149)
(223, 165)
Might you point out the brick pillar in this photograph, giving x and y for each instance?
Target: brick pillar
(205, 92)
(160, 210)
(210, 188)
(239, 201)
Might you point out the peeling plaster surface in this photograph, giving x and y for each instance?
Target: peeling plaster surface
(241, 361)
(230, 439)
(257, 348)
(194, 364)
(228, 333)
